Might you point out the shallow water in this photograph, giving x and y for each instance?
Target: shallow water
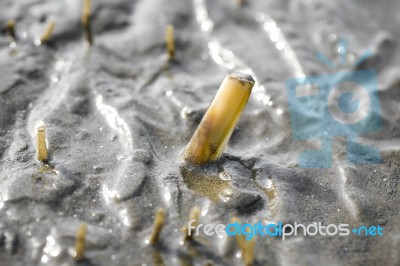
(118, 117)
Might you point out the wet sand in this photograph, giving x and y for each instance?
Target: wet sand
(118, 116)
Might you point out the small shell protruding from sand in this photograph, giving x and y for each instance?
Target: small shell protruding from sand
(48, 32)
(80, 242)
(157, 226)
(86, 21)
(194, 216)
(246, 246)
(211, 136)
(42, 153)
(10, 28)
(170, 42)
